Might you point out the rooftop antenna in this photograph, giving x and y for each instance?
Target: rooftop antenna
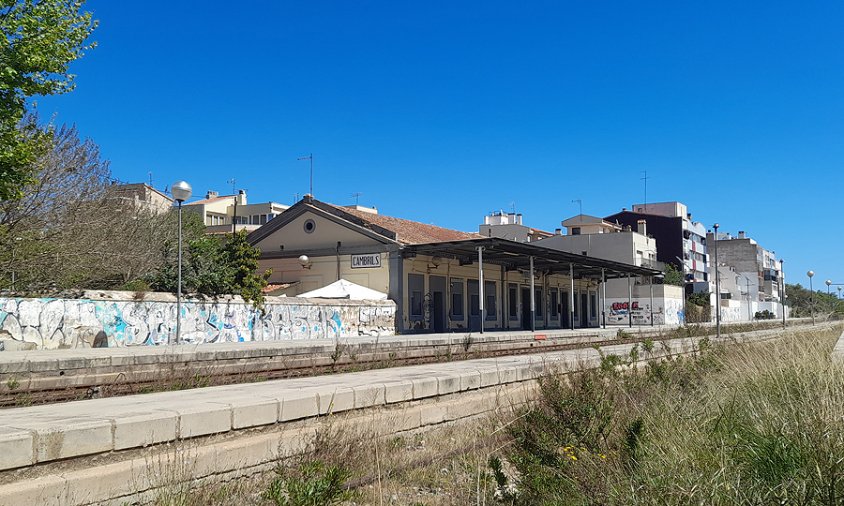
(356, 196)
(295, 197)
(233, 182)
(645, 179)
(311, 158)
(580, 205)
(513, 207)
(150, 179)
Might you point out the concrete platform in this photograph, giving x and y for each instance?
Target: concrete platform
(46, 433)
(240, 429)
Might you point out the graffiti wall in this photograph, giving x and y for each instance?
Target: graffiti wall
(666, 311)
(122, 321)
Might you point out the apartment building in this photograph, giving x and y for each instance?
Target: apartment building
(227, 213)
(682, 241)
(757, 266)
(143, 196)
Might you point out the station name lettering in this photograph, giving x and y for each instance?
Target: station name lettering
(366, 261)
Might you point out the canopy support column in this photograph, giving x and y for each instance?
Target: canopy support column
(571, 297)
(629, 302)
(604, 296)
(652, 301)
(481, 285)
(532, 299)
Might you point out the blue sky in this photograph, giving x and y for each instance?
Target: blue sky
(443, 111)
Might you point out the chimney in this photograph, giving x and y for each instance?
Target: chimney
(642, 227)
(211, 194)
(558, 231)
(741, 234)
(623, 209)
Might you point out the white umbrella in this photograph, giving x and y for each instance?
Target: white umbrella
(342, 289)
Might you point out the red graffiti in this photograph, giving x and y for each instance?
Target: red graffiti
(619, 306)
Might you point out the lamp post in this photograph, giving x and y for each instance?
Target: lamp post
(181, 191)
(717, 284)
(683, 271)
(811, 274)
(782, 291)
(828, 285)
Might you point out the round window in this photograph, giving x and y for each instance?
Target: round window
(310, 226)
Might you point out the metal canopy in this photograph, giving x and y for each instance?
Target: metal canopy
(516, 255)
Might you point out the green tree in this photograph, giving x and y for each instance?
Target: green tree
(673, 276)
(212, 265)
(41, 38)
(242, 259)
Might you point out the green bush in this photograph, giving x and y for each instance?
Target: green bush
(734, 424)
(312, 484)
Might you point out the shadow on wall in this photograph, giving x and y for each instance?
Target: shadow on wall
(84, 323)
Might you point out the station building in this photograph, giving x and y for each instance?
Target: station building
(442, 280)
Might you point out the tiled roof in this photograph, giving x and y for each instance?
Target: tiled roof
(411, 232)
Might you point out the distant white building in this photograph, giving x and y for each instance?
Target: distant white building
(227, 213)
(509, 226)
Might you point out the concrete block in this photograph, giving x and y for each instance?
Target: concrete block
(297, 405)
(398, 391)
(508, 374)
(254, 412)
(44, 491)
(424, 387)
(203, 418)
(136, 430)
(71, 438)
(433, 414)
(369, 395)
(73, 363)
(43, 365)
(336, 400)
(15, 448)
(448, 384)
(488, 377)
(470, 380)
(14, 366)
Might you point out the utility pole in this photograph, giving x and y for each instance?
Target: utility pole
(233, 182)
(717, 285)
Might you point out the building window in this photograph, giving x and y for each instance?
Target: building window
(457, 299)
(474, 298)
(263, 219)
(310, 226)
(554, 308)
(575, 230)
(539, 304)
(490, 300)
(416, 289)
(512, 301)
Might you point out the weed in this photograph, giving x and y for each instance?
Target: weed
(12, 383)
(313, 483)
(468, 340)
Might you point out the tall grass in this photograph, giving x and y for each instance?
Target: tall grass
(735, 424)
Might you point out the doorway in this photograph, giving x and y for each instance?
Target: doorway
(526, 309)
(566, 316)
(437, 286)
(584, 310)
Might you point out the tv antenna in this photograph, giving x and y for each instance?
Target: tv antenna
(580, 205)
(233, 182)
(149, 174)
(311, 158)
(645, 179)
(356, 196)
(513, 207)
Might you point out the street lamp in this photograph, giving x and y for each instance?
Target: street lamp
(683, 271)
(181, 191)
(811, 274)
(782, 291)
(828, 284)
(717, 284)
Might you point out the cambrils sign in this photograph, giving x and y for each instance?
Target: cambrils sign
(369, 261)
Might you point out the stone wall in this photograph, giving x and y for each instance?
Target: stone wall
(116, 319)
